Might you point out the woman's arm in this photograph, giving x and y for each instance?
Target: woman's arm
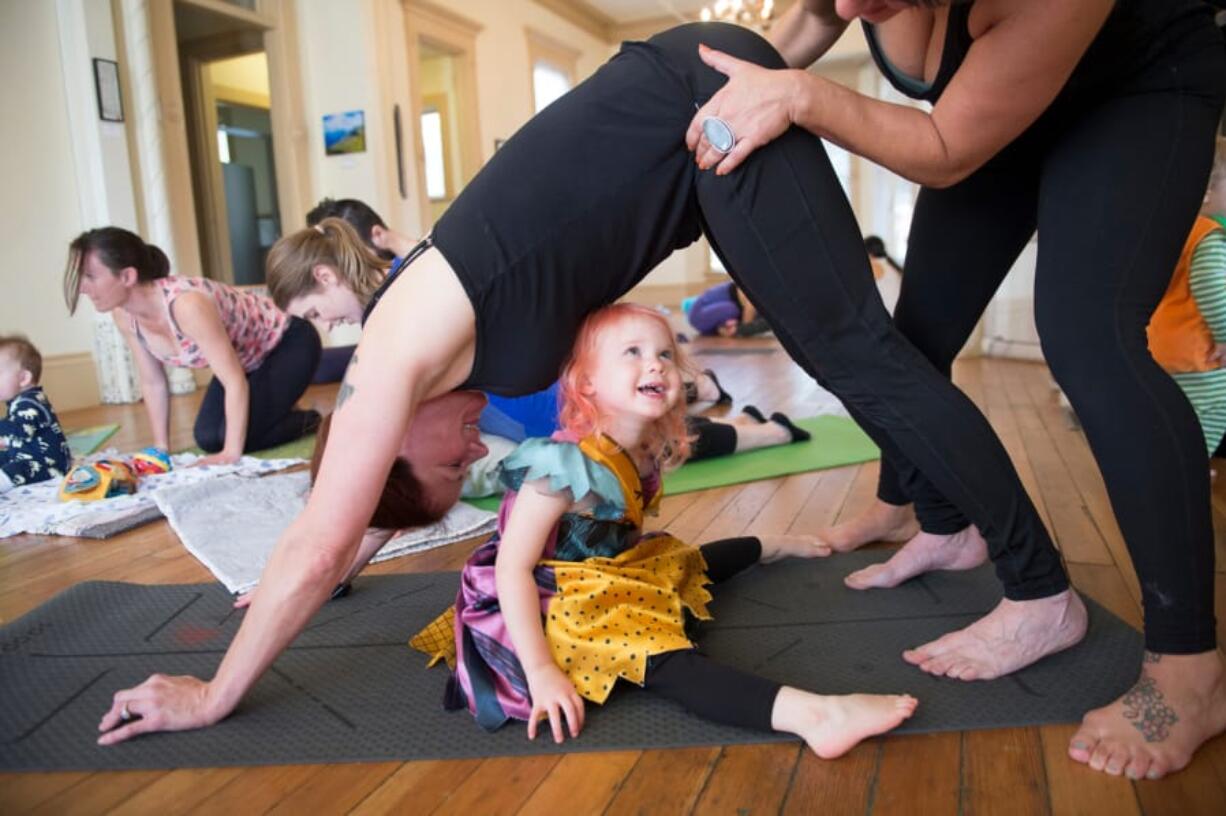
(154, 389)
(806, 31)
(417, 344)
(1022, 55)
(198, 319)
(553, 695)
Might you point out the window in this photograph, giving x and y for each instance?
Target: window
(548, 83)
(553, 68)
(432, 145)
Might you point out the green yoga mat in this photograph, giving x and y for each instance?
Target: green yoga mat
(298, 449)
(836, 441)
(84, 441)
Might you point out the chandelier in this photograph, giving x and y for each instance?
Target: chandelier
(757, 14)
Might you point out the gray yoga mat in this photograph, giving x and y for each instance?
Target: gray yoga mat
(350, 690)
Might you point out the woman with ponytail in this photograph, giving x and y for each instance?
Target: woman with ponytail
(262, 359)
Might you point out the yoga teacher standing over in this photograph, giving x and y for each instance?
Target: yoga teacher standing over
(574, 210)
(1092, 122)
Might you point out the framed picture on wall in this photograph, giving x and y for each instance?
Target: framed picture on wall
(345, 133)
(106, 84)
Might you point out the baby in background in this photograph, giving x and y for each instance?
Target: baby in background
(32, 444)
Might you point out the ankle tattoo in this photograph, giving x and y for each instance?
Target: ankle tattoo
(1146, 707)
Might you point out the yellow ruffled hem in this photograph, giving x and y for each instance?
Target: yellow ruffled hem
(610, 614)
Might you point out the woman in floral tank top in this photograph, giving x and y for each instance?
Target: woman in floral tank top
(262, 359)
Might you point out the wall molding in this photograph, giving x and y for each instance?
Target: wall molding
(584, 16)
(70, 381)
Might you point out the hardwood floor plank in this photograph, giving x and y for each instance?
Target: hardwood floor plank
(750, 779)
(834, 787)
(664, 782)
(1002, 773)
(1196, 789)
(98, 793)
(918, 774)
(499, 785)
(176, 792)
(257, 790)
(418, 787)
(599, 775)
(21, 793)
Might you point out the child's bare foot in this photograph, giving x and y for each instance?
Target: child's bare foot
(775, 547)
(880, 522)
(1177, 705)
(832, 725)
(925, 552)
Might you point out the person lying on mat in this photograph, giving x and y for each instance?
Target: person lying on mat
(540, 616)
(262, 359)
(575, 209)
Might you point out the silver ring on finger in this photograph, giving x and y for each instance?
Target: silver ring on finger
(124, 713)
(719, 134)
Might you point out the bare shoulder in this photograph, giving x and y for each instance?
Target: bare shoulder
(426, 320)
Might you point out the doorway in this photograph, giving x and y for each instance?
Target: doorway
(442, 80)
(230, 139)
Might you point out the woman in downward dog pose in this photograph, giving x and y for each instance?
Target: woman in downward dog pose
(571, 595)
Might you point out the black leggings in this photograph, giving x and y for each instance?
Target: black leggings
(711, 438)
(788, 237)
(1112, 185)
(702, 686)
(273, 388)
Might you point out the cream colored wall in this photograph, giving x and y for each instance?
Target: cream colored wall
(64, 170)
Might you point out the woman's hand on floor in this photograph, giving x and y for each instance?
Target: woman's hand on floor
(221, 458)
(554, 698)
(161, 703)
(755, 103)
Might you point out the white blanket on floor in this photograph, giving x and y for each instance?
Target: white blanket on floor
(232, 524)
(35, 508)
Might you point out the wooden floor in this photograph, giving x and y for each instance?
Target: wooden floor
(1021, 770)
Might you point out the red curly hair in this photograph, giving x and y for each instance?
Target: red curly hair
(669, 441)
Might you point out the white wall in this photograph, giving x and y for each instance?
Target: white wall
(64, 169)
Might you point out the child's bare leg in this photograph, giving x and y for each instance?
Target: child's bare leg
(831, 725)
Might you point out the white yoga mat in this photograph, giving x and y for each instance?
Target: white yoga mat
(232, 524)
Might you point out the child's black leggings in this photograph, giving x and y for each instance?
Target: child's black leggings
(702, 686)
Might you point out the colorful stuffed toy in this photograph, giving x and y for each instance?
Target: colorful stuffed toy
(100, 479)
(151, 461)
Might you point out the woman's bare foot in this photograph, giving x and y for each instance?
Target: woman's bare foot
(1010, 637)
(881, 522)
(832, 725)
(1177, 705)
(775, 547)
(924, 553)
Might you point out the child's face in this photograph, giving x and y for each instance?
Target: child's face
(633, 372)
(13, 378)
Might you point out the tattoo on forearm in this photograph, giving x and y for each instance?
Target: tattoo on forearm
(1146, 707)
(347, 389)
(1150, 657)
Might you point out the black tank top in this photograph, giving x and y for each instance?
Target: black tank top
(1137, 35)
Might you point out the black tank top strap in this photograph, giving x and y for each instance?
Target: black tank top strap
(953, 51)
(393, 273)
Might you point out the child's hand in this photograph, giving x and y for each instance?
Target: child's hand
(1219, 355)
(554, 697)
